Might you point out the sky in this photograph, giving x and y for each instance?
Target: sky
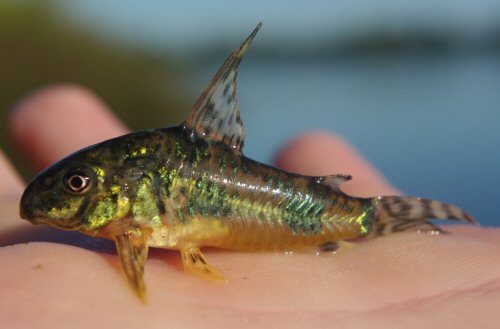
(189, 24)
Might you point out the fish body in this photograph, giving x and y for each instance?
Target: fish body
(191, 186)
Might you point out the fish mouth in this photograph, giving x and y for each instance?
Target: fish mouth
(31, 210)
(37, 217)
(69, 224)
(25, 211)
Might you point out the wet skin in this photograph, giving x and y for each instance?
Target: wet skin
(419, 280)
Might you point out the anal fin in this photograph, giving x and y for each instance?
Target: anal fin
(195, 263)
(133, 252)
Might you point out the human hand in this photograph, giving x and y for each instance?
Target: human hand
(401, 280)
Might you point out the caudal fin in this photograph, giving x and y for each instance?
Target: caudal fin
(401, 213)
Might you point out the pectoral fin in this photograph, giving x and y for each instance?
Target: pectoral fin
(133, 253)
(195, 263)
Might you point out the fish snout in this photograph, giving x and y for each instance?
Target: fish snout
(26, 208)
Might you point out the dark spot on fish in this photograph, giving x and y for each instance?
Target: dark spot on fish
(428, 226)
(403, 224)
(329, 246)
(230, 140)
(200, 259)
(220, 124)
(226, 74)
(210, 107)
(157, 191)
(86, 204)
(387, 207)
(405, 209)
(230, 99)
(426, 205)
(380, 229)
(226, 89)
(447, 209)
(465, 215)
(238, 117)
(397, 225)
(212, 116)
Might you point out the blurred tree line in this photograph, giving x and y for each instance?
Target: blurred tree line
(39, 48)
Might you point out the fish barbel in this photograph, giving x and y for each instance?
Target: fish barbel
(190, 186)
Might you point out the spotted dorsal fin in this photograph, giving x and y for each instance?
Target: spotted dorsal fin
(216, 115)
(333, 181)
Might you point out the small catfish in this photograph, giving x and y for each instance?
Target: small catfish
(190, 186)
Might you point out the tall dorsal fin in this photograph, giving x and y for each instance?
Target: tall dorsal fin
(216, 115)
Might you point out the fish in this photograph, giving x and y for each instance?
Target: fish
(190, 186)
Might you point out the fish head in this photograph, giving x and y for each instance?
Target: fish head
(74, 193)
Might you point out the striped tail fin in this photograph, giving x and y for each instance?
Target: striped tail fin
(401, 213)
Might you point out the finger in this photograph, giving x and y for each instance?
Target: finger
(406, 278)
(56, 121)
(12, 185)
(325, 154)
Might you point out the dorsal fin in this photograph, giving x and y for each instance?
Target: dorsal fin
(333, 181)
(216, 115)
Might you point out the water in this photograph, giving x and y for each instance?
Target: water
(431, 125)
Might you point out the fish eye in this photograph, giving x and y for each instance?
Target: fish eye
(77, 181)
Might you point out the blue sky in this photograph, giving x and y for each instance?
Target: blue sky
(187, 24)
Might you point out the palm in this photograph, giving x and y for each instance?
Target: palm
(403, 280)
